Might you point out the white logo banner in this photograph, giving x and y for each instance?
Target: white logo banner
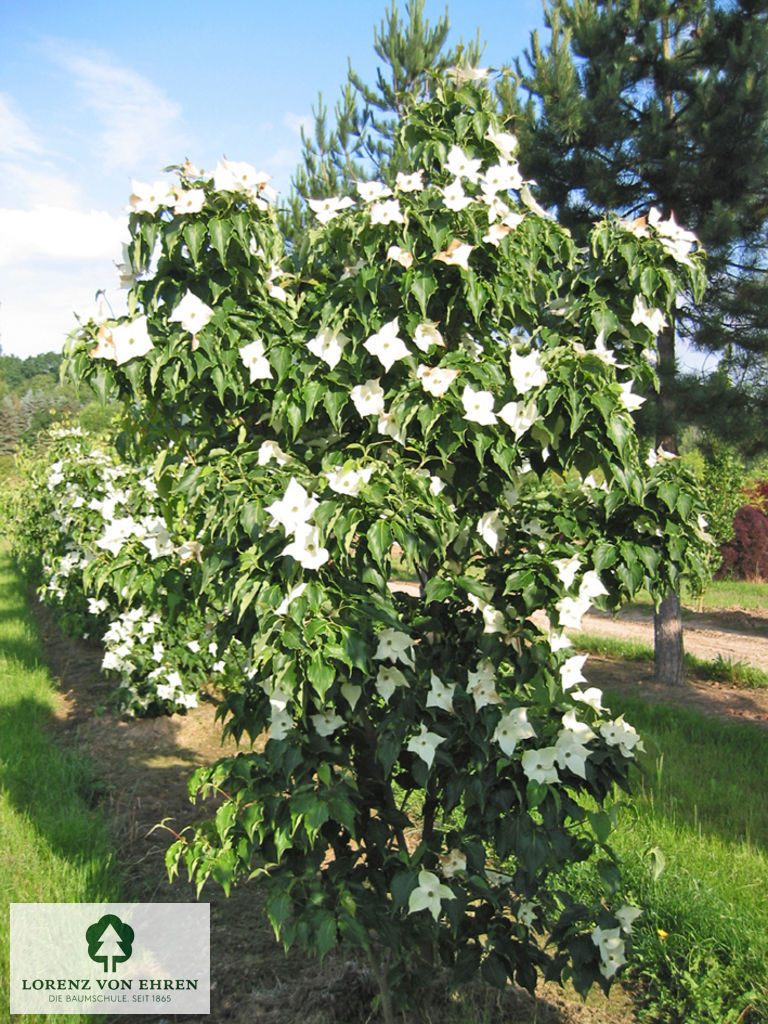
(110, 958)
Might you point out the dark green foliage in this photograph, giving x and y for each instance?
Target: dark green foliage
(633, 105)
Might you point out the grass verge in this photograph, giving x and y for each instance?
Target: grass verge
(694, 847)
(737, 673)
(718, 595)
(56, 849)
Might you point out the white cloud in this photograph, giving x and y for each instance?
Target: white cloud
(138, 121)
(15, 134)
(40, 305)
(298, 121)
(54, 233)
(30, 184)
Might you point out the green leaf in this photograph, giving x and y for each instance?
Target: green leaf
(669, 493)
(223, 869)
(194, 235)
(402, 887)
(321, 674)
(221, 232)
(379, 541)
(324, 924)
(437, 589)
(610, 875)
(334, 402)
(278, 908)
(601, 825)
(494, 971)
(466, 963)
(423, 285)
(604, 556)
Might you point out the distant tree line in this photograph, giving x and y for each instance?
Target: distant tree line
(32, 397)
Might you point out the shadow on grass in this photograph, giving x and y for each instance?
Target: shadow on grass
(50, 789)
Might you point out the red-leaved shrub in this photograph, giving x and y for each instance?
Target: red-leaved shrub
(746, 557)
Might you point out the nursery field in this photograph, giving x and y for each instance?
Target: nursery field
(701, 946)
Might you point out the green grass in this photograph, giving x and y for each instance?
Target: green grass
(718, 595)
(736, 673)
(55, 848)
(734, 594)
(7, 467)
(701, 946)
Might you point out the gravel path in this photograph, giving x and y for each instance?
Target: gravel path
(734, 634)
(703, 636)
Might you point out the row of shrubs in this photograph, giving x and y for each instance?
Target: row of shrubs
(86, 531)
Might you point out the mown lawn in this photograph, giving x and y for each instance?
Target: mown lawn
(718, 595)
(55, 847)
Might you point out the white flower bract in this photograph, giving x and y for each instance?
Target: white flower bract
(435, 379)
(192, 313)
(460, 166)
(478, 406)
(326, 209)
(305, 547)
(328, 345)
(131, 340)
(425, 744)
(255, 361)
(426, 335)
(539, 765)
(386, 345)
(428, 895)
(368, 398)
(527, 372)
(387, 212)
(294, 509)
(512, 727)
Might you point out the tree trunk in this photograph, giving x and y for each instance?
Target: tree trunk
(668, 664)
(667, 620)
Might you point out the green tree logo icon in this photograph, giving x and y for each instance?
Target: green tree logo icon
(109, 939)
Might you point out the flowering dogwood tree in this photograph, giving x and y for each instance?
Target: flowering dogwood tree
(433, 379)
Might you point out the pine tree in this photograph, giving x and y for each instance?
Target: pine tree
(358, 142)
(640, 103)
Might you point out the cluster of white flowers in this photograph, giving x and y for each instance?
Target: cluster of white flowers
(571, 610)
(131, 338)
(611, 944)
(675, 240)
(293, 513)
(500, 177)
(527, 374)
(229, 176)
(100, 504)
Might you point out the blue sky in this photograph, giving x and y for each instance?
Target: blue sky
(93, 94)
